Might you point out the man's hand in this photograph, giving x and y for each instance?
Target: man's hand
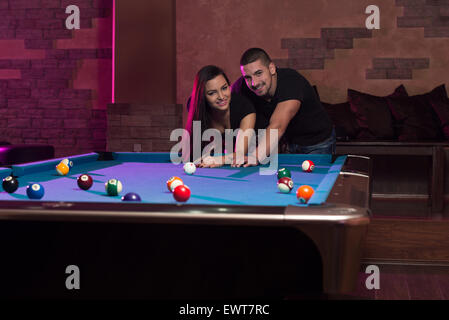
(246, 161)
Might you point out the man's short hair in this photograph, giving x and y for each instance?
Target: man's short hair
(254, 54)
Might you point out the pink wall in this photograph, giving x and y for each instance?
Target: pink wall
(54, 82)
(217, 32)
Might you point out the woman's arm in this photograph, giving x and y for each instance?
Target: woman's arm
(244, 137)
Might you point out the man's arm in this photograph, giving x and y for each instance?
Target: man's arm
(279, 120)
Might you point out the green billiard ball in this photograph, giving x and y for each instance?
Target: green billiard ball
(113, 187)
(284, 173)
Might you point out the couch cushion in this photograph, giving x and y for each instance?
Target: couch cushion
(415, 117)
(346, 127)
(373, 114)
(440, 103)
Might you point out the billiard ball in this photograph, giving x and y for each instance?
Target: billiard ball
(10, 184)
(173, 182)
(131, 196)
(68, 163)
(62, 169)
(181, 193)
(304, 193)
(85, 181)
(308, 166)
(113, 187)
(189, 168)
(284, 173)
(285, 184)
(35, 191)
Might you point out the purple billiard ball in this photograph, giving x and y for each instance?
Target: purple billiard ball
(131, 196)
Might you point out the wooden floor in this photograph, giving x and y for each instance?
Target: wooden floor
(413, 259)
(405, 282)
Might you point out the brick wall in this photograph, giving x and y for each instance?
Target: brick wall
(326, 41)
(54, 82)
(142, 128)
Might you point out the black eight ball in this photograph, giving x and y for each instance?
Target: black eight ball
(10, 184)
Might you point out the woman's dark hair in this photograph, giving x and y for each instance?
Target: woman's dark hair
(198, 107)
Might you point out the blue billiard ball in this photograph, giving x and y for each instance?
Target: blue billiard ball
(35, 191)
(131, 196)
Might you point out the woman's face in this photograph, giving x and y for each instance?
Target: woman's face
(218, 93)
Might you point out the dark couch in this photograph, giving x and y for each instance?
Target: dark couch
(406, 136)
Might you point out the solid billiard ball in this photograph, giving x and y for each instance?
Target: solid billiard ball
(304, 193)
(68, 163)
(10, 184)
(181, 193)
(62, 169)
(173, 182)
(284, 173)
(308, 166)
(131, 196)
(35, 191)
(189, 168)
(113, 187)
(85, 181)
(285, 184)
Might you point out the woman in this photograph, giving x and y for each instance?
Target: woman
(213, 104)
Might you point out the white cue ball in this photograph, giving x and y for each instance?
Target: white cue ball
(189, 168)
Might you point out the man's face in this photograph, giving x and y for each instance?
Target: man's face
(259, 77)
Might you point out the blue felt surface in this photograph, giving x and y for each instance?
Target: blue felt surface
(141, 173)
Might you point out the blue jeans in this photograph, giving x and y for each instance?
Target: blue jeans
(325, 147)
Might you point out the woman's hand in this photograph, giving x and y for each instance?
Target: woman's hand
(211, 162)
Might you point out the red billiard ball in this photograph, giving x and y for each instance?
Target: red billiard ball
(308, 166)
(181, 193)
(85, 181)
(304, 193)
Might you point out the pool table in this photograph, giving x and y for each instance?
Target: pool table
(236, 237)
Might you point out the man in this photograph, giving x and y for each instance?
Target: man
(284, 100)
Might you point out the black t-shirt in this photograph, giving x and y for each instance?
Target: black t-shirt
(310, 125)
(240, 107)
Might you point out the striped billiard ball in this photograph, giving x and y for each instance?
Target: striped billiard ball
(285, 184)
(113, 187)
(62, 169)
(68, 163)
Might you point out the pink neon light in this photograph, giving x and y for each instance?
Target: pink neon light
(113, 51)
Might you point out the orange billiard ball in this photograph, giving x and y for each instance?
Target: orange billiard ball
(173, 182)
(304, 193)
(62, 169)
